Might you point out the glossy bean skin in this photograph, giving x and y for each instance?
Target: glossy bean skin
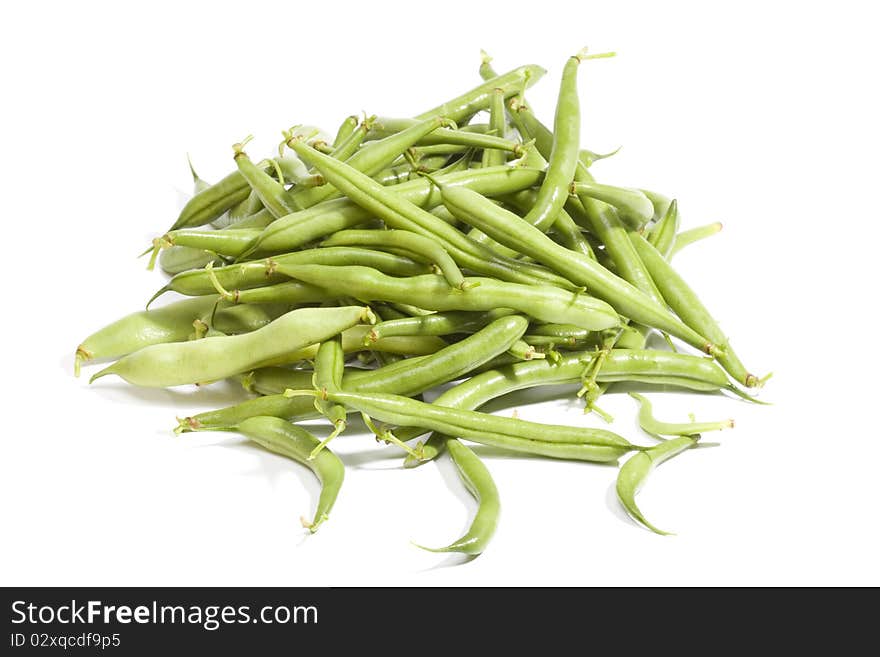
(651, 425)
(635, 471)
(568, 231)
(291, 232)
(662, 237)
(256, 273)
(478, 481)
(209, 204)
(498, 126)
(469, 103)
(348, 126)
(286, 439)
(329, 368)
(564, 152)
(214, 358)
(419, 245)
(397, 212)
(556, 441)
(231, 243)
(684, 301)
(515, 233)
(235, 319)
(409, 377)
(170, 323)
(440, 323)
(545, 303)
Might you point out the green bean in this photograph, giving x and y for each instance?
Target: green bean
(655, 427)
(682, 299)
(556, 441)
(688, 237)
(171, 323)
(329, 368)
(272, 193)
(295, 171)
(501, 225)
(176, 259)
(498, 125)
(400, 213)
(637, 468)
(663, 234)
(230, 243)
(660, 203)
(349, 125)
(396, 174)
(634, 208)
(258, 273)
(563, 156)
(211, 359)
(444, 136)
(199, 185)
(212, 202)
(251, 205)
(544, 303)
(353, 142)
(638, 366)
(300, 228)
(460, 108)
(418, 245)
(568, 231)
(605, 223)
(232, 320)
(286, 439)
(441, 323)
(409, 377)
(371, 159)
(479, 482)
(524, 351)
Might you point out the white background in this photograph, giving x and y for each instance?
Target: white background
(761, 115)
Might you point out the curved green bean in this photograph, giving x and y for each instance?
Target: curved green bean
(635, 471)
(211, 359)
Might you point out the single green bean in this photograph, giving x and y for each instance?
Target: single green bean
(662, 236)
(329, 368)
(655, 427)
(478, 481)
(212, 202)
(349, 125)
(635, 471)
(684, 301)
(688, 237)
(564, 153)
(286, 439)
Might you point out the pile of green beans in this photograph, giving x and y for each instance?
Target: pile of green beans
(469, 245)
